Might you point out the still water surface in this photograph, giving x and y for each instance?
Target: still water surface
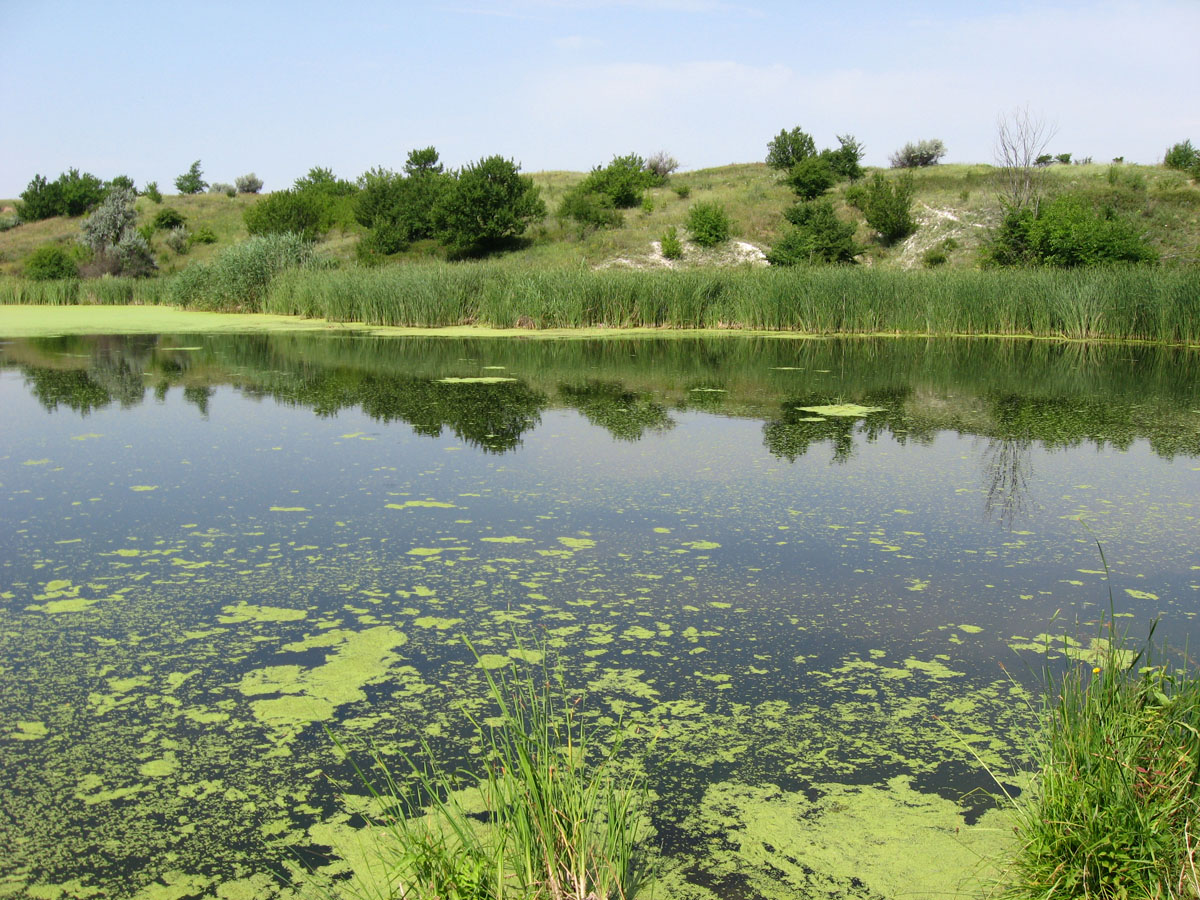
(781, 559)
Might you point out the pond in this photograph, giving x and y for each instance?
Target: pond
(805, 574)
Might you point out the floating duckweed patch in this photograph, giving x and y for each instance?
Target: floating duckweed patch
(842, 410)
(477, 379)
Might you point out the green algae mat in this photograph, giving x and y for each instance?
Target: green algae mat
(802, 577)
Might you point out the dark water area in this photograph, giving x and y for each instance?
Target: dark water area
(791, 563)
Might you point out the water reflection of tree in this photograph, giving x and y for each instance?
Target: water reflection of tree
(624, 414)
(72, 388)
(1008, 472)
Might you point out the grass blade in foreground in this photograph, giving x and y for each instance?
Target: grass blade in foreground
(550, 817)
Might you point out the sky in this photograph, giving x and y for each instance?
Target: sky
(275, 88)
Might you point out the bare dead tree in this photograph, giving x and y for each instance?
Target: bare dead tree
(1021, 137)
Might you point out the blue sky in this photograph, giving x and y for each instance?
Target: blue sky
(276, 88)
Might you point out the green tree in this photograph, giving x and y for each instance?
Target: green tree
(489, 204)
(192, 181)
(790, 147)
(846, 160)
(708, 224)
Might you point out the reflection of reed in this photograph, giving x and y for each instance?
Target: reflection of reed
(1008, 470)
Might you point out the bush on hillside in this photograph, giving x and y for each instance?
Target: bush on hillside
(661, 165)
(588, 209)
(790, 147)
(671, 246)
(248, 184)
(708, 224)
(72, 194)
(922, 153)
(110, 234)
(818, 237)
(121, 181)
(302, 213)
(489, 204)
(220, 187)
(49, 263)
(192, 181)
(811, 177)
(179, 240)
(887, 207)
(1067, 232)
(846, 160)
(1182, 156)
(623, 181)
(167, 218)
(153, 192)
(323, 181)
(398, 209)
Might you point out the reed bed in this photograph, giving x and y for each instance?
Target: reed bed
(1160, 305)
(1130, 303)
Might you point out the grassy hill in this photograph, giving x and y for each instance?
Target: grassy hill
(956, 206)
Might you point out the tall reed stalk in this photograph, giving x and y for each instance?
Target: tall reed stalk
(559, 820)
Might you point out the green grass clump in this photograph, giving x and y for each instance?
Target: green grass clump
(550, 816)
(239, 277)
(1117, 801)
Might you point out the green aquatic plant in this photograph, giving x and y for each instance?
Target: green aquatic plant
(554, 814)
(1117, 795)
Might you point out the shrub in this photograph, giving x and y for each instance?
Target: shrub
(588, 209)
(789, 147)
(708, 224)
(191, 181)
(661, 165)
(682, 191)
(1063, 159)
(811, 177)
(248, 184)
(71, 194)
(204, 235)
(887, 207)
(49, 262)
(153, 192)
(623, 181)
(401, 208)
(220, 187)
(819, 236)
(178, 239)
(303, 213)
(167, 218)
(922, 153)
(934, 257)
(134, 256)
(672, 247)
(104, 229)
(846, 161)
(122, 181)
(1067, 233)
(41, 199)
(323, 181)
(9, 221)
(1181, 156)
(488, 204)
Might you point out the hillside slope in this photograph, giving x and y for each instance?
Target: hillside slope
(956, 206)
